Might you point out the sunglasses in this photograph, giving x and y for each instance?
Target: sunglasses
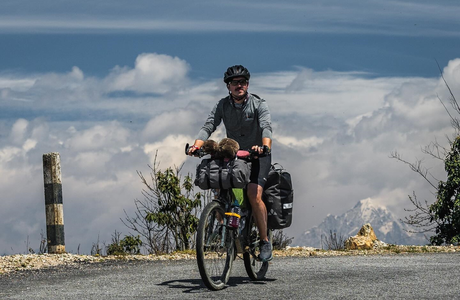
(242, 82)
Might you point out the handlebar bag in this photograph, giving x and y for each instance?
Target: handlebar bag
(278, 197)
(222, 174)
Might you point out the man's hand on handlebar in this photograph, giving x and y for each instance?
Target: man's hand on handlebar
(264, 150)
(194, 150)
(191, 150)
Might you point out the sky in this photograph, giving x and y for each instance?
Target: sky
(108, 83)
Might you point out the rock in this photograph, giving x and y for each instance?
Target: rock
(379, 244)
(367, 231)
(364, 240)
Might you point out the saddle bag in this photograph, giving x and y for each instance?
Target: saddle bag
(278, 197)
(222, 174)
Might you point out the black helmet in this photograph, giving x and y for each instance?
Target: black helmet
(236, 71)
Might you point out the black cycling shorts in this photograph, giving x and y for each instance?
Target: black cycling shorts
(259, 170)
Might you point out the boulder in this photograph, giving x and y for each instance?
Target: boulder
(364, 240)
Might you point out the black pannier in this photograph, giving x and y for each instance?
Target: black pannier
(278, 197)
(222, 174)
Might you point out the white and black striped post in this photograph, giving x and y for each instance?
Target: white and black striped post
(53, 203)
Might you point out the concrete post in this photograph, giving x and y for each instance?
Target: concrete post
(53, 203)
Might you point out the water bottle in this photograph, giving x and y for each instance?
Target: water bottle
(235, 215)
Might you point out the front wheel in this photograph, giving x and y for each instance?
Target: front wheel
(214, 247)
(255, 268)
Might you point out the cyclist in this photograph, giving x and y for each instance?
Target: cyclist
(247, 120)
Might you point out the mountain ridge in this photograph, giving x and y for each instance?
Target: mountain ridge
(386, 226)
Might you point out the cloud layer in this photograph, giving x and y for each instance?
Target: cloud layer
(333, 131)
(405, 18)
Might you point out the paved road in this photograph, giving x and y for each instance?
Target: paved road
(418, 276)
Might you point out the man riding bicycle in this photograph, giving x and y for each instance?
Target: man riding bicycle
(247, 120)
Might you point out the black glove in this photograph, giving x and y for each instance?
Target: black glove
(266, 150)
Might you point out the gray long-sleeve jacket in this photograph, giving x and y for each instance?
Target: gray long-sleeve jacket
(246, 125)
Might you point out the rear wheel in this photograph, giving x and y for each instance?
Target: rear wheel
(214, 254)
(255, 268)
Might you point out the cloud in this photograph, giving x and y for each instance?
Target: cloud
(171, 151)
(99, 137)
(71, 81)
(294, 142)
(451, 74)
(334, 131)
(18, 131)
(16, 84)
(153, 73)
(170, 123)
(127, 93)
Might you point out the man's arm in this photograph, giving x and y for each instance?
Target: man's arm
(266, 126)
(265, 121)
(213, 120)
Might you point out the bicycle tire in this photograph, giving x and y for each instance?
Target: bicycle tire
(214, 258)
(255, 268)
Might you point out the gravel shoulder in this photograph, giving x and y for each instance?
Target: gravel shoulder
(23, 262)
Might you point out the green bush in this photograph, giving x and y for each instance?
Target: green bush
(446, 209)
(128, 245)
(167, 217)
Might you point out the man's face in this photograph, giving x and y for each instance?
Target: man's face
(238, 86)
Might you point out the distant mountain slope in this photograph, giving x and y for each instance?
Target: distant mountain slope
(386, 226)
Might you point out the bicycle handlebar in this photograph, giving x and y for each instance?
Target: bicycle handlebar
(241, 153)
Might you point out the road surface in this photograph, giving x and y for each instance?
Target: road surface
(403, 276)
